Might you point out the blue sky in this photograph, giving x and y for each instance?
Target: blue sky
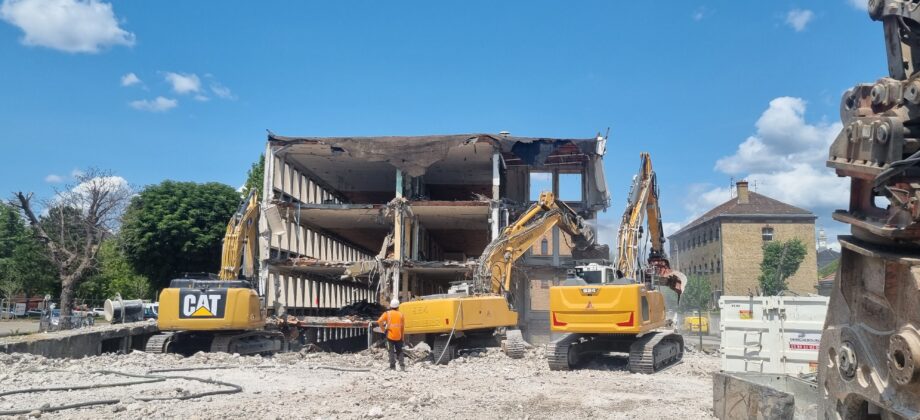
(687, 81)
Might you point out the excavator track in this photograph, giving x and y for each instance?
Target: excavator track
(157, 342)
(442, 356)
(514, 344)
(655, 351)
(561, 353)
(252, 342)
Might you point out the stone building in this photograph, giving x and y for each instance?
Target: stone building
(725, 244)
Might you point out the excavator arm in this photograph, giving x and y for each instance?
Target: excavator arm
(642, 205)
(548, 212)
(239, 250)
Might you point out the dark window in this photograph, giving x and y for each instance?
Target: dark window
(767, 234)
(544, 247)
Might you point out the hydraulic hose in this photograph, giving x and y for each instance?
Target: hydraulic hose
(454, 328)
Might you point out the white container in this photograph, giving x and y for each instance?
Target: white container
(771, 334)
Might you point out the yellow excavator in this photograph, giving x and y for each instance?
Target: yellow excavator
(223, 314)
(620, 309)
(471, 316)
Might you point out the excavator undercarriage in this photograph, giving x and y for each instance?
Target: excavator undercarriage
(647, 354)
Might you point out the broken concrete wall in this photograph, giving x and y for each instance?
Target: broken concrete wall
(420, 210)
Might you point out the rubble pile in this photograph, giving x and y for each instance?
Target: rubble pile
(359, 385)
(361, 309)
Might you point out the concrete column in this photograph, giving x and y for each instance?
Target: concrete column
(496, 194)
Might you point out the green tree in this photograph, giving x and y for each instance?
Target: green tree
(829, 269)
(254, 177)
(115, 275)
(23, 260)
(780, 261)
(697, 294)
(176, 227)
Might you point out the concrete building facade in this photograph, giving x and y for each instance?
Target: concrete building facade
(349, 218)
(725, 245)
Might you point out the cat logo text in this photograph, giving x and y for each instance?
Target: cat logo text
(202, 303)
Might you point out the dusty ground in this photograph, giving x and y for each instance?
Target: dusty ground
(296, 385)
(18, 326)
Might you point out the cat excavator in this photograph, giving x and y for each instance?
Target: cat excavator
(621, 308)
(471, 316)
(223, 313)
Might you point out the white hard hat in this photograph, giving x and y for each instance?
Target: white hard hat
(394, 303)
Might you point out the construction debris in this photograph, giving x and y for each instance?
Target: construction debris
(324, 385)
(361, 308)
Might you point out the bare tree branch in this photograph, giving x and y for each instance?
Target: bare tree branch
(88, 212)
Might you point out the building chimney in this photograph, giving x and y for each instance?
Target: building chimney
(743, 196)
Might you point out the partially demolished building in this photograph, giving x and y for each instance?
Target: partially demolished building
(352, 218)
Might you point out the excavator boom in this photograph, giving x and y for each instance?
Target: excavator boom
(239, 250)
(499, 256)
(642, 205)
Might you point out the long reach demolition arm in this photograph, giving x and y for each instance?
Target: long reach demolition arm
(642, 205)
(240, 250)
(499, 256)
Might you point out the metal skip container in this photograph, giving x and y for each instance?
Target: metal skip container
(771, 334)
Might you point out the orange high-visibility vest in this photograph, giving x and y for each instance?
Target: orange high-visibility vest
(393, 321)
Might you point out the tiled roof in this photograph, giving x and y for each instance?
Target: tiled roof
(757, 204)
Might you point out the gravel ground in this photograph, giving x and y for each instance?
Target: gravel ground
(301, 385)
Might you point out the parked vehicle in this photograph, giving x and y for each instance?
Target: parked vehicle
(97, 312)
(696, 324)
(151, 310)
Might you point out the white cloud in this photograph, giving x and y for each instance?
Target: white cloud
(798, 19)
(783, 140)
(785, 159)
(202, 98)
(700, 13)
(222, 91)
(130, 79)
(184, 83)
(859, 4)
(159, 104)
(75, 26)
(54, 179)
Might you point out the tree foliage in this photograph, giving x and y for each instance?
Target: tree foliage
(780, 261)
(254, 177)
(176, 227)
(697, 294)
(23, 260)
(115, 275)
(829, 269)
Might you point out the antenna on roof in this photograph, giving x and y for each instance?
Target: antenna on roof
(755, 185)
(731, 187)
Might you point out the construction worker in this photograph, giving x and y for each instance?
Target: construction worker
(393, 323)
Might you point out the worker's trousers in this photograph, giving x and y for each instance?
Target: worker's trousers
(396, 350)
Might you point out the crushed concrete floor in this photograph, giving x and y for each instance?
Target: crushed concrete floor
(306, 385)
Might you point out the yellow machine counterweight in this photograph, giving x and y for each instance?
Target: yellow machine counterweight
(620, 309)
